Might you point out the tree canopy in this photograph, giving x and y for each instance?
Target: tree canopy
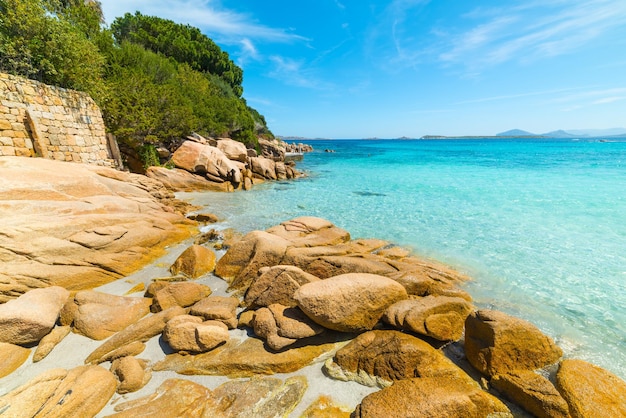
(156, 81)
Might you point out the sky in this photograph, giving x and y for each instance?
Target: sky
(408, 68)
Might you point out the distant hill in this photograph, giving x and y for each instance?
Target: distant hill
(597, 132)
(560, 134)
(516, 132)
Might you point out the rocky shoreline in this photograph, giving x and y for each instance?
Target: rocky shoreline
(109, 308)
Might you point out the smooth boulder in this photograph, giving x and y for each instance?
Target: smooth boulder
(498, 343)
(27, 319)
(352, 302)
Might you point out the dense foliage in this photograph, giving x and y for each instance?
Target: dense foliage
(156, 81)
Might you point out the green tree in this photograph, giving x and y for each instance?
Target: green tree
(39, 42)
(184, 43)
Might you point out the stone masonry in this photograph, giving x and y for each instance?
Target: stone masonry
(38, 120)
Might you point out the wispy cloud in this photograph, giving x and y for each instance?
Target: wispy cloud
(531, 31)
(295, 73)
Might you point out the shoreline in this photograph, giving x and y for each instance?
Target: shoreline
(326, 252)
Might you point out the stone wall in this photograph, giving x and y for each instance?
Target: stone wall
(38, 120)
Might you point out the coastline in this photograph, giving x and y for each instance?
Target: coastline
(346, 395)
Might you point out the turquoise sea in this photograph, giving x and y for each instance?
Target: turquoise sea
(540, 225)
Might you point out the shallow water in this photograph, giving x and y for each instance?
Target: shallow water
(539, 224)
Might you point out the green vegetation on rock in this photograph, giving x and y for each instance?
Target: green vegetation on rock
(156, 81)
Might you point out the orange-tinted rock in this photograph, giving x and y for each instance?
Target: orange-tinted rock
(11, 357)
(378, 358)
(217, 308)
(47, 343)
(131, 373)
(533, 392)
(277, 284)
(182, 294)
(82, 391)
(431, 397)
(497, 343)
(438, 317)
(100, 315)
(350, 302)
(591, 391)
(194, 262)
(30, 317)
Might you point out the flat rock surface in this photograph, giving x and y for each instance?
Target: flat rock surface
(106, 225)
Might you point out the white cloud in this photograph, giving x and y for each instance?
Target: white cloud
(532, 31)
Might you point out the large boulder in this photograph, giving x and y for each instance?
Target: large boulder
(591, 391)
(497, 343)
(218, 308)
(272, 149)
(107, 224)
(438, 317)
(533, 392)
(309, 231)
(263, 167)
(380, 357)
(189, 333)
(194, 262)
(352, 302)
(207, 161)
(30, 317)
(277, 284)
(281, 326)
(179, 180)
(79, 392)
(178, 294)
(431, 397)
(100, 315)
(234, 150)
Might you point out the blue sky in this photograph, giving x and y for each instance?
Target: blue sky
(364, 68)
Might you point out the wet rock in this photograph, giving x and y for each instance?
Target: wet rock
(438, 317)
(497, 343)
(533, 392)
(11, 357)
(277, 284)
(141, 331)
(591, 391)
(350, 302)
(47, 343)
(82, 391)
(246, 358)
(219, 308)
(194, 262)
(132, 374)
(379, 358)
(182, 294)
(100, 315)
(30, 317)
(431, 397)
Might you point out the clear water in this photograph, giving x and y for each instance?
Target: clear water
(540, 225)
